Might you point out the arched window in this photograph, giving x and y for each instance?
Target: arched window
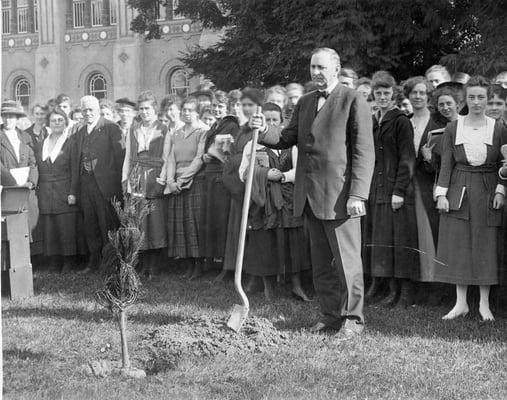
(97, 85)
(178, 83)
(22, 91)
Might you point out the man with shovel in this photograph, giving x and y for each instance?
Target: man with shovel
(332, 128)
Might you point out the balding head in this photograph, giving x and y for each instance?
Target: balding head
(91, 109)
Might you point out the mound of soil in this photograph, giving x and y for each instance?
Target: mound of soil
(206, 337)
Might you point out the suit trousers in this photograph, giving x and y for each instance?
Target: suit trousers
(98, 215)
(337, 267)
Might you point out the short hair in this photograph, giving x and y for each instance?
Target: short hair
(91, 99)
(105, 103)
(234, 96)
(256, 95)
(364, 81)
(334, 55)
(349, 73)
(411, 83)
(295, 86)
(460, 77)
(168, 101)
(43, 107)
(220, 97)
(477, 80)
(456, 94)
(273, 107)
(190, 100)
(147, 95)
(382, 79)
(61, 98)
(497, 90)
(501, 75)
(205, 110)
(438, 68)
(60, 113)
(74, 111)
(277, 89)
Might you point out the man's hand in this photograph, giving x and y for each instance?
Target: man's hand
(274, 175)
(397, 202)
(206, 158)
(498, 201)
(28, 185)
(174, 188)
(71, 199)
(442, 204)
(258, 121)
(355, 207)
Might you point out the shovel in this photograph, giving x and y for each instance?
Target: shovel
(240, 312)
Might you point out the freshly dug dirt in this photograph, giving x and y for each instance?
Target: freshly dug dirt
(206, 337)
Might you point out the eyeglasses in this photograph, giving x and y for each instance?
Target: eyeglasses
(57, 121)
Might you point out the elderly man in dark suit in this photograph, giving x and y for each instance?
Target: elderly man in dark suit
(332, 128)
(97, 160)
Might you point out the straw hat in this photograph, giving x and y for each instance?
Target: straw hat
(12, 107)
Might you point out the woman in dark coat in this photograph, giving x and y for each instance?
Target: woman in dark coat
(38, 130)
(16, 152)
(471, 198)
(250, 100)
(184, 184)
(391, 227)
(60, 220)
(144, 175)
(216, 199)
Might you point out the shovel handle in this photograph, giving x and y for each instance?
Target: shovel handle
(244, 220)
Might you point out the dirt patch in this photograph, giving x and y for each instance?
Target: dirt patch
(206, 337)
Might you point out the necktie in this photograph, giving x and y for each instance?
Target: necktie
(322, 93)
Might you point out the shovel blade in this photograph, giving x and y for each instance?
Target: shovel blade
(237, 318)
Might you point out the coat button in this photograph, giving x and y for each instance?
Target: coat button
(380, 173)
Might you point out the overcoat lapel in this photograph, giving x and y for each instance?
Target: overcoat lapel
(6, 143)
(322, 115)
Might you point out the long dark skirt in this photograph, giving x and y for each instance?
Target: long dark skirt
(62, 234)
(215, 212)
(233, 228)
(154, 226)
(391, 239)
(468, 249)
(35, 225)
(264, 252)
(183, 219)
(296, 251)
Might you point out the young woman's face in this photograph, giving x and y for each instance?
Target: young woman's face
(10, 121)
(189, 113)
(173, 112)
(235, 108)
(418, 96)
(146, 111)
(219, 110)
(406, 107)
(39, 116)
(435, 78)
(249, 107)
(495, 107)
(383, 97)
(477, 100)
(448, 107)
(164, 119)
(273, 118)
(365, 90)
(78, 117)
(276, 98)
(208, 118)
(107, 113)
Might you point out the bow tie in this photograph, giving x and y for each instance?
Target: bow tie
(322, 93)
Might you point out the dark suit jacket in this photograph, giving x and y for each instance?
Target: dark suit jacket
(108, 152)
(335, 151)
(54, 181)
(8, 158)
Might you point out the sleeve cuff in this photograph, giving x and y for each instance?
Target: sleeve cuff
(500, 189)
(440, 191)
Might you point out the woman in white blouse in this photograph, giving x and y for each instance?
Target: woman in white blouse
(470, 198)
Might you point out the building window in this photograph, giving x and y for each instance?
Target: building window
(96, 12)
(22, 16)
(6, 16)
(160, 10)
(78, 13)
(178, 83)
(22, 91)
(176, 4)
(113, 12)
(97, 86)
(35, 16)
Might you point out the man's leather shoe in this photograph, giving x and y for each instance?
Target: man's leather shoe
(351, 328)
(321, 327)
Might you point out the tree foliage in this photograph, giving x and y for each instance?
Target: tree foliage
(270, 41)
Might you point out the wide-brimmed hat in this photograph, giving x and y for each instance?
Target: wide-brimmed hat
(126, 101)
(12, 107)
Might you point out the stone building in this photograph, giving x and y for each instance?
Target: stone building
(81, 47)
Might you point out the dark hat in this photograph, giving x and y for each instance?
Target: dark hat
(451, 85)
(203, 90)
(126, 101)
(12, 107)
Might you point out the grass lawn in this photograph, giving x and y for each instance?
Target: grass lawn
(409, 354)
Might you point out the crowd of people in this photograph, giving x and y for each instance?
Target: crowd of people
(434, 211)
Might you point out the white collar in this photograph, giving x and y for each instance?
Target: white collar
(53, 155)
(487, 137)
(330, 89)
(91, 127)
